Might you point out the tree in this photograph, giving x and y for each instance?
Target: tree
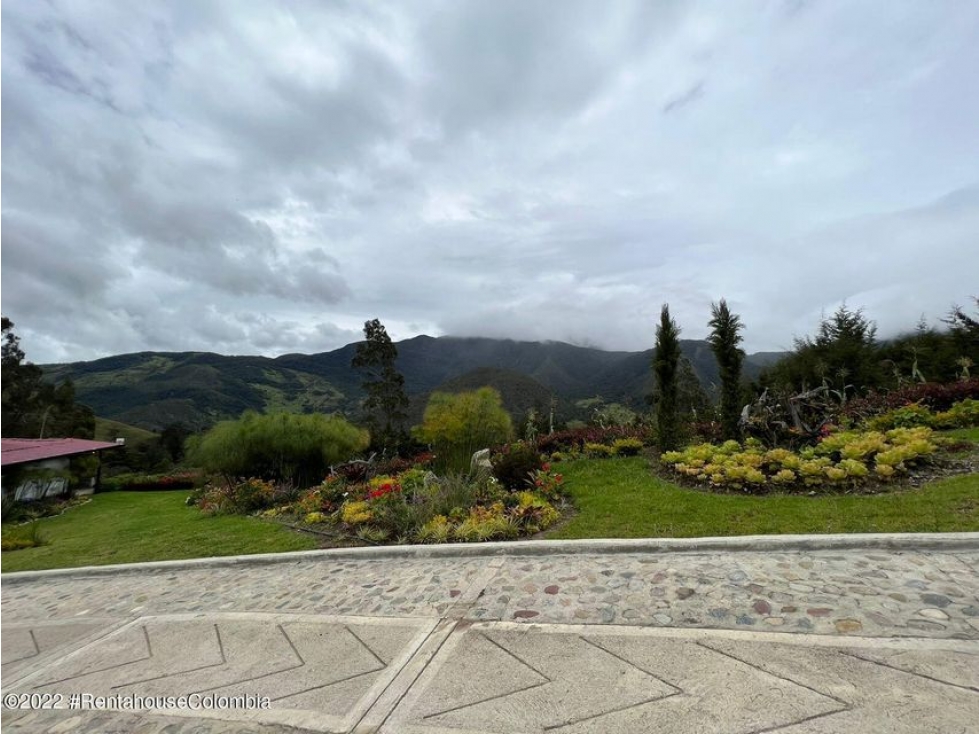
(844, 356)
(173, 438)
(457, 425)
(33, 408)
(665, 365)
(21, 385)
(692, 400)
(724, 339)
(964, 335)
(386, 403)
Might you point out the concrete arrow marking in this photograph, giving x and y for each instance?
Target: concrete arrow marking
(222, 661)
(557, 698)
(363, 644)
(900, 669)
(519, 689)
(37, 650)
(145, 639)
(292, 647)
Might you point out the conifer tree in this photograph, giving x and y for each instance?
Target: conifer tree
(724, 339)
(386, 403)
(666, 366)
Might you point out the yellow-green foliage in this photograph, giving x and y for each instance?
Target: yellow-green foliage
(626, 446)
(597, 450)
(963, 414)
(285, 446)
(356, 513)
(842, 458)
(524, 512)
(458, 425)
(487, 523)
(436, 530)
(313, 518)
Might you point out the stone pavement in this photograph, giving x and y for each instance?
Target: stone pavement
(794, 641)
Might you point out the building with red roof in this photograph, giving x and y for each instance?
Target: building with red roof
(46, 461)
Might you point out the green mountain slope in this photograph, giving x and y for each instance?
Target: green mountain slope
(154, 389)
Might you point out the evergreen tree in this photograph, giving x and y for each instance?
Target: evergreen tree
(724, 339)
(33, 408)
(692, 399)
(843, 355)
(386, 403)
(665, 366)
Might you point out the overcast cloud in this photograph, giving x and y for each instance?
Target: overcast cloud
(264, 177)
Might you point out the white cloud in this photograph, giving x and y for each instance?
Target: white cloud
(264, 179)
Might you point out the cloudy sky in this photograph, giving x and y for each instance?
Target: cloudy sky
(263, 177)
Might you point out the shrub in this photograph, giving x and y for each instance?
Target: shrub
(575, 439)
(549, 484)
(242, 497)
(280, 446)
(514, 466)
(22, 536)
(961, 415)
(151, 482)
(931, 395)
(626, 447)
(598, 450)
(436, 530)
(458, 425)
(356, 513)
(847, 458)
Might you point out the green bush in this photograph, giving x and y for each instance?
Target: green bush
(514, 466)
(458, 425)
(283, 447)
(598, 450)
(626, 447)
(243, 497)
(962, 414)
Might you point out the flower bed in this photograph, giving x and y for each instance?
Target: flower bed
(840, 460)
(413, 506)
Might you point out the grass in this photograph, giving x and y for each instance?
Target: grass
(966, 434)
(110, 430)
(621, 498)
(126, 527)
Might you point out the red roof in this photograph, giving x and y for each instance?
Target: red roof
(24, 450)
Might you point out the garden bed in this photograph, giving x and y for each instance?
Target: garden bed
(866, 462)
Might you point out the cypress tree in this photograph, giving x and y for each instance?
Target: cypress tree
(386, 404)
(666, 362)
(724, 339)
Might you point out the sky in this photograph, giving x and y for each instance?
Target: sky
(262, 178)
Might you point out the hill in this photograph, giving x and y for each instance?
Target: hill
(519, 392)
(109, 430)
(154, 389)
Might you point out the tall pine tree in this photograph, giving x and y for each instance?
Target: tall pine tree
(666, 366)
(725, 336)
(386, 403)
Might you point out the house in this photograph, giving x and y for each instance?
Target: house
(40, 466)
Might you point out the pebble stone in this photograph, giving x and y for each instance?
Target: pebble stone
(890, 593)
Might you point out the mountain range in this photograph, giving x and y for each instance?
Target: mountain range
(155, 389)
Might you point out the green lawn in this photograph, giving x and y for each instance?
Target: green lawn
(126, 527)
(969, 434)
(621, 498)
